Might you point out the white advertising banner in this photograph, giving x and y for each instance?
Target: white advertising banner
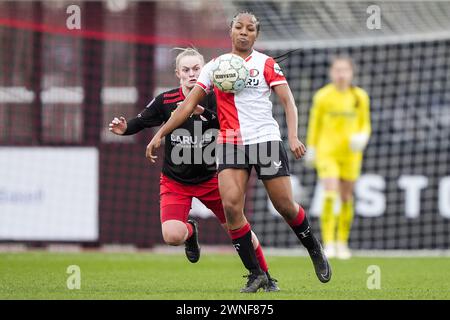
(49, 193)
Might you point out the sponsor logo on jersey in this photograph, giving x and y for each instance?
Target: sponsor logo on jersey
(277, 69)
(190, 141)
(252, 83)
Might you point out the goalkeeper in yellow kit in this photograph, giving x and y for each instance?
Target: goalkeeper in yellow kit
(338, 132)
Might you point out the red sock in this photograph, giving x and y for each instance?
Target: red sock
(299, 219)
(238, 233)
(190, 230)
(261, 259)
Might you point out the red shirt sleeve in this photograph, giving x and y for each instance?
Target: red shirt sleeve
(273, 74)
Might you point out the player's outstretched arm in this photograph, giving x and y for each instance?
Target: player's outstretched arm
(287, 101)
(121, 127)
(181, 114)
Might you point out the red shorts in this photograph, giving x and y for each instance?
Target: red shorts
(176, 198)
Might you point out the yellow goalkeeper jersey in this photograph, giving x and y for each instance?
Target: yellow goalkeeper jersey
(334, 117)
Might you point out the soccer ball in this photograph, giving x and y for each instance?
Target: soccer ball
(229, 73)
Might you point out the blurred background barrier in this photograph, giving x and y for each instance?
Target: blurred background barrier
(65, 178)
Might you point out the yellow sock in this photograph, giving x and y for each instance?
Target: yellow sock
(328, 219)
(345, 220)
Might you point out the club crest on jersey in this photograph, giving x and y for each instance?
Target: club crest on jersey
(277, 69)
(254, 73)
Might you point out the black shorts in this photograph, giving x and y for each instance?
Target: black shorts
(268, 158)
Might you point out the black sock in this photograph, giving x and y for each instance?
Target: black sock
(304, 234)
(242, 242)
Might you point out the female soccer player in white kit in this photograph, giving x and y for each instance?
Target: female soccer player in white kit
(250, 137)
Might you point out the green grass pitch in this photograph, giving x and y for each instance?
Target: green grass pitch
(43, 275)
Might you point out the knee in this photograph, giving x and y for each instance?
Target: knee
(174, 236)
(286, 207)
(173, 239)
(234, 212)
(232, 205)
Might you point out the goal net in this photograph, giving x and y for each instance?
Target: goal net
(65, 178)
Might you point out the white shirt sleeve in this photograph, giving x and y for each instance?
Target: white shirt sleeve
(204, 79)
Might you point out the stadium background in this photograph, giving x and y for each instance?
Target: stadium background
(66, 179)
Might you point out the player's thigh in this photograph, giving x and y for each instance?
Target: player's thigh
(350, 167)
(174, 212)
(330, 184)
(213, 202)
(174, 206)
(233, 186)
(328, 168)
(234, 170)
(280, 193)
(208, 193)
(232, 156)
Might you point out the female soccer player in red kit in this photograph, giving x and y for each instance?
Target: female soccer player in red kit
(180, 182)
(246, 125)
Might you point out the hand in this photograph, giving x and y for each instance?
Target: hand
(310, 157)
(358, 141)
(297, 148)
(151, 148)
(118, 126)
(198, 110)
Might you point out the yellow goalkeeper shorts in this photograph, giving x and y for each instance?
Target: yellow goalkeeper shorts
(348, 168)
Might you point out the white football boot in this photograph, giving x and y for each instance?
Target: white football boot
(330, 250)
(342, 251)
